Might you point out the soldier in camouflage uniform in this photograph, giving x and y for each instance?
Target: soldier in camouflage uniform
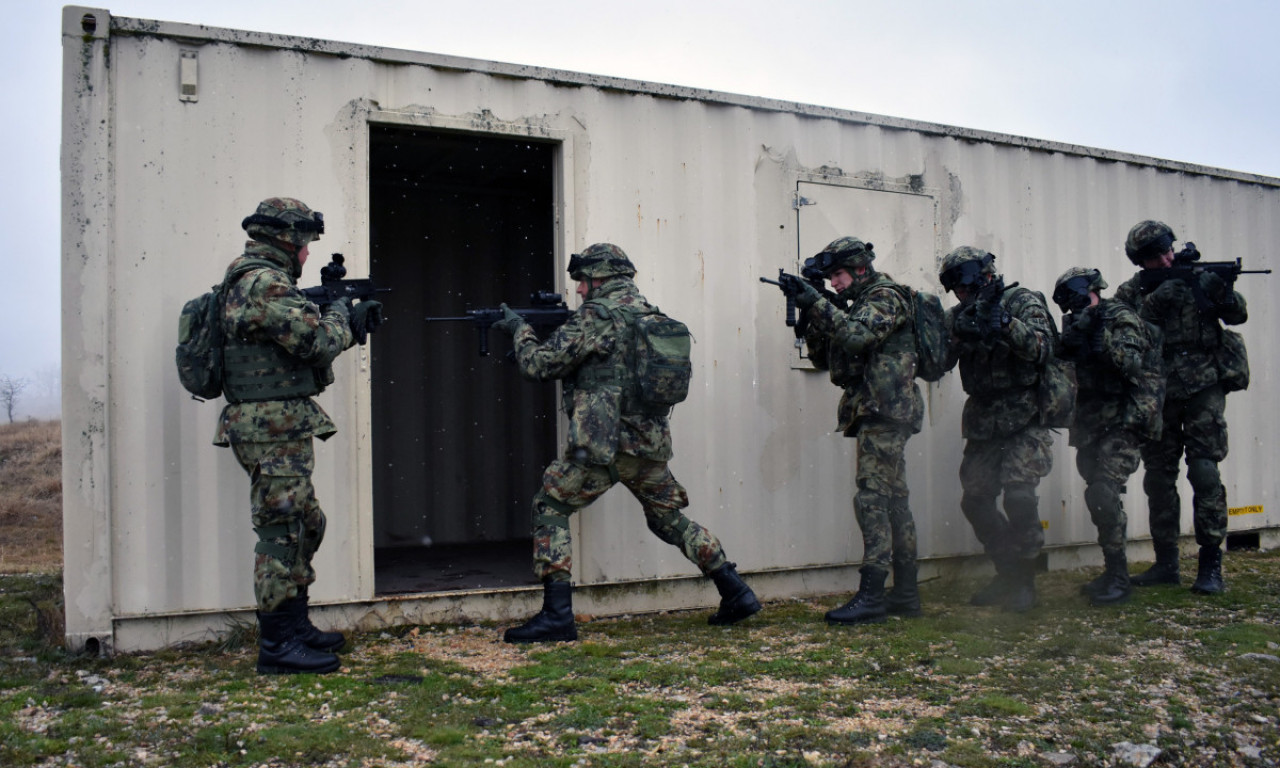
(610, 441)
(1193, 416)
(1118, 369)
(870, 351)
(1001, 337)
(278, 354)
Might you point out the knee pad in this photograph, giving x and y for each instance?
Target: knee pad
(1203, 474)
(1101, 496)
(289, 552)
(1020, 496)
(549, 512)
(669, 528)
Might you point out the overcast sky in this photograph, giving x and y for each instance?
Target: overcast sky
(1177, 79)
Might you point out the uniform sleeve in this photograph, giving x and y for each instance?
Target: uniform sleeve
(583, 334)
(869, 324)
(1030, 332)
(1127, 344)
(275, 310)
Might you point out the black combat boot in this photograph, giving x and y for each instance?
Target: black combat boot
(1209, 576)
(1091, 587)
(1163, 571)
(999, 586)
(904, 597)
(307, 632)
(866, 607)
(737, 601)
(554, 623)
(1115, 586)
(281, 652)
(1021, 596)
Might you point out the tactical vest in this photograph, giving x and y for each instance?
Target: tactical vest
(991, 370)
(254, 372)
(260, 371)
(612, 369)
(847, 370)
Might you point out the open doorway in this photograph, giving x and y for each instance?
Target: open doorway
(458, 221)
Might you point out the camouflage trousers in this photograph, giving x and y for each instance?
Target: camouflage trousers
(880, 502)
(1105, 461)
(1012, 465)
(568, 487)
(286, 517)
(1196, 426)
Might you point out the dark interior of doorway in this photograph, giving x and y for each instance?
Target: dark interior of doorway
(458, 221)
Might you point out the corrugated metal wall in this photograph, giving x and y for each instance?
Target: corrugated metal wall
(698, 187)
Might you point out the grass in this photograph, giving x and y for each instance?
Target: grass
(30, 496)
(1196, 677)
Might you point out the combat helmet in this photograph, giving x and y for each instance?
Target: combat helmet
(843, 252)
(1148, 239)
(284, 220)
(1071, 289)
(600, 261)
(965, 266)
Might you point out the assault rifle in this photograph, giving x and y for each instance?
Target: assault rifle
(1187, 267)
(548, 311)
(333, 288)
(790, 286)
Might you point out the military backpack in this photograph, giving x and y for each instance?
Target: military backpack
(930, 322)
(199, 355)
(662, 364)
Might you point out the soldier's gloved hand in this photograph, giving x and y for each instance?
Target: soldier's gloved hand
(1075, 334)
(1214, 287)
(510, 320)
(967, 325)
(366, 317)
(807, 295)
(341, 307)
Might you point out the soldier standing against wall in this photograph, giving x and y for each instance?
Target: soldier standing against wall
(870, 352)
(1193, 416)
(1118, 370)
(610, 441)
(1001, 337)
(278, 354)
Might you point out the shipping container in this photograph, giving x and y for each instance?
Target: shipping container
(462, 183)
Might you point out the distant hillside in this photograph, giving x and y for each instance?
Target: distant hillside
(30, 496)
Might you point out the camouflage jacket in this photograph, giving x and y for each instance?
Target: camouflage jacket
(1001, 373)
(586, 354)
(1191, 338)
(264, 306)
(1121, 384)
(870, 352)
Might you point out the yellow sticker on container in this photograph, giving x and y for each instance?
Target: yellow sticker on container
(1255, 509)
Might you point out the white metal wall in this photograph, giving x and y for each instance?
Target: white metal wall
(698, 187)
